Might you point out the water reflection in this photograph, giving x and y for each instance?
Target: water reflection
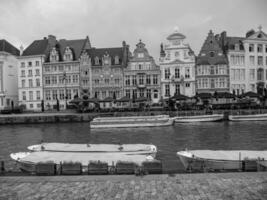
(169, 140)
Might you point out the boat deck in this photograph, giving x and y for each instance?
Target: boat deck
(90, 147)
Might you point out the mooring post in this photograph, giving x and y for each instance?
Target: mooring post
(2, 166)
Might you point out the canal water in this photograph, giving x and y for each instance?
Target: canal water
(169, 140)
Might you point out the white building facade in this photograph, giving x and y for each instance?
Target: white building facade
(8, 75)
(248, 61)
(177, 65)
(30, 84)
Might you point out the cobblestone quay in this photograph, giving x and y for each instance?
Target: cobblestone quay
(179, 186)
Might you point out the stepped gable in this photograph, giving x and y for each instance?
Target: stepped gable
(37, 47)
(9, 48)
(101, 52)
(211, 52)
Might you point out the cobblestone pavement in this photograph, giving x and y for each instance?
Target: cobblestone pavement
(179, 186)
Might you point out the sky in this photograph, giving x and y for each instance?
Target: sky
(109, 22)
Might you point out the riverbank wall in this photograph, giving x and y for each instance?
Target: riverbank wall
(69, 117)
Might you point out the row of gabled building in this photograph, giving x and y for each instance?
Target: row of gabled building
(54, 71)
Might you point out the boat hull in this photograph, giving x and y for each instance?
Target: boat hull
(199, 118)
(259, 117)
(132, 124)
(207, 160)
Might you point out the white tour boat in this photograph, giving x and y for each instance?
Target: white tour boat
(255, 117)
(199, 118)
(210, 160)
(130, 122)
(28, 160)
(146, 149)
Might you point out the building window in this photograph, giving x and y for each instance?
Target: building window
(127, 80)
(61, 94)
(37, 72)
(96, 81)
(155, 94)
(212, 54)
(260, 74)
(47, 95)
(167, 73)
(134, 81)
(140, 66)
(23, 73)
(23, 64)
(30, 72)
(31, 105)
(68, 96)
(148, 93)
(31, 95)
(205, 83)
(68, 79)
(128, 93)
(148, 81)
(47, 80)
(177, 88)
(38, 95)
(252, 74)
(187, 72)
(29, 64)
(140, 55)
(251, 47)
(75, 78)
(117, 81)
(167, 90)
(260, 60)
(24, 96)
(106, 81)
(61, 68)
(155, 79)
(141, 79)
(177, 54)
(54, 80)
(187, 85)
(30, 83)
(37, 63)
(141, 92)
(47, 69)
(54, 94)
(177, 73)
(22, 83)
(252, 60)
(260, 48)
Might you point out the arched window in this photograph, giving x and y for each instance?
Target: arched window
(212, 54)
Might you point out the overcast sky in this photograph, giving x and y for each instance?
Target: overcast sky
(109, 22)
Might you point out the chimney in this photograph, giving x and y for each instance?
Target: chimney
(52, 40)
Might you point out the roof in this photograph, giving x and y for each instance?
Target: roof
(9, 48)
(232, 41)
(124, 99)
(37, 47)
(226, 95)
(175, 36)
(108, 99)
(75, 45)
(211, 53)
(179, 97)
(250, 94)
(100, 52)
(204, 95)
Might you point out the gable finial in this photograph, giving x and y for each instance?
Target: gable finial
(260, 27)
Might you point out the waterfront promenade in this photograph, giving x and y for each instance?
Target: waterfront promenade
(213, 186)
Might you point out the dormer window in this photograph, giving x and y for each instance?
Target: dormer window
(117, 60)
(96, 61)
(140, 55)
(54, 55)
(212, 54)
(68, 54)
